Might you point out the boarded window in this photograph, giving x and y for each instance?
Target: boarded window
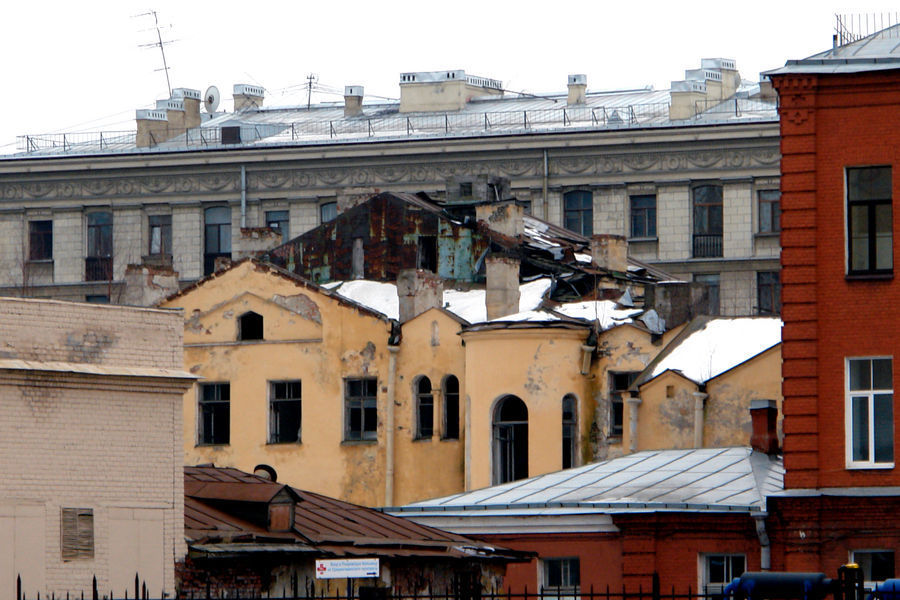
(77, 533)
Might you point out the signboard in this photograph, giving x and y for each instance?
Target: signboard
(346, 568)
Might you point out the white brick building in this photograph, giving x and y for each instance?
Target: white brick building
(90, 447)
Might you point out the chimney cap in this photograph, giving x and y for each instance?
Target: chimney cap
(689, 85)
(145, 114)
(758, 404)
(245, 89)
(578, 79)
(170, 104)
(353, 90)
(186, 93)
(718, 63)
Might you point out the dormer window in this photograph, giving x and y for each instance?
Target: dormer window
(250, 327)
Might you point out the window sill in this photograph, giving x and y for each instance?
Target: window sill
(639, 240)
(869, 466)
(767, 234)
(290, 443)
(203, 445)
(358, 442)
(424, 438)
(449, 439)
(39, 261)
(868, 276)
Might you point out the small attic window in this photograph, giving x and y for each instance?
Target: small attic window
(231, 134)
(250, 327)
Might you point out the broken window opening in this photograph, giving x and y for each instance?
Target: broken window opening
(250, 327)
(451, 408)
(424, 409)
(426, 255)
(285, 412)
(510, 440)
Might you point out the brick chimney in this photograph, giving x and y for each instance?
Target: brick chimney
(247, 97)
(418, 290)
(505, 217)
(502, 294)
(577, 89)
(764, 417)
(174, 108)
(152, 127)
(353, 98)
(191, 101)
(610, 251)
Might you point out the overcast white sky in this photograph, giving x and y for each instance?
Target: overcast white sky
(78, 66)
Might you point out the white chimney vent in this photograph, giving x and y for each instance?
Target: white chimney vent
(244, 89)
(150, 115)
(578, 79)
(170, 104)
(186, 93)
(353, 90)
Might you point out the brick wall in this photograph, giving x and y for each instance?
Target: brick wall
(90, 333)
(830, 123)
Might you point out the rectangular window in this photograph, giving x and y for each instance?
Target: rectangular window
(876, 565)
(77, 533)
(279, 220)
(98, 261)
(160, 234)
(869, 221)
(426, 253)
(285, 412)
(768, 293)
(718, 570)
(40, 240)
(707, 201)
(711, 280)
(578, 212)
(327, 212)
(451, 408)
(360, 409)
(618, 390)
(643, 216)
(215, 413)
(562, 575)
(769, 211)
(870, 412)
(217, 236)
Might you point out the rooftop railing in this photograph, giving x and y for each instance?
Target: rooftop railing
(362, 127)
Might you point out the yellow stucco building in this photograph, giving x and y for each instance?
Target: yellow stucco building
(359, 393)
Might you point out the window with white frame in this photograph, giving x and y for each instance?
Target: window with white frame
(870, 412)
(876, 565)
(285, 408)
(718, 570)
(560, 575)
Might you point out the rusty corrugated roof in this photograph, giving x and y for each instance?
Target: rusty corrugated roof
(216, 501)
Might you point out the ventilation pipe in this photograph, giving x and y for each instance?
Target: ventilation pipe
(243, 197)
(699, 402)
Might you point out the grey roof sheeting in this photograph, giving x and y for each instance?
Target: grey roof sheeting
(877, 52)
(709, 479)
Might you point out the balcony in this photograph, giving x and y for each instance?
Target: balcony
(707, 245)
(98, 268)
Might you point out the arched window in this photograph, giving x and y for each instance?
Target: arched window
(569, 432)
(250, 327)
(510, 440)
(424, 409)
(451, 408)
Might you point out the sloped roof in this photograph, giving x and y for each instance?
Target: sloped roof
(876, 52)
(321, 524)
(707, 479)
(710, 346)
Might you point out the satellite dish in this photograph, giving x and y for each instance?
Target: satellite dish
(211, 99)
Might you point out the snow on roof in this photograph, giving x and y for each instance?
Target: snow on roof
(719, 345)
(713, 479)
(468, 304)
(602, 311)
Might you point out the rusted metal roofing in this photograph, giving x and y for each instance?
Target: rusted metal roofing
(218, 501)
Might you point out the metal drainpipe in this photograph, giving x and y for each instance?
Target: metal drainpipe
(545, 179)
(389, 427)
(699, 398)
(765, 550)
(243, 197)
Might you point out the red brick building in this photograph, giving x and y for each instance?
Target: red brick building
(840, 144)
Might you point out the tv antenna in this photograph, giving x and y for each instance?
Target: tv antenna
(159, 43)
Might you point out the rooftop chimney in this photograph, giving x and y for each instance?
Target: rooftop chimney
(353, 97)
(438, 91)
(247, 97)
(147, 285)
(503, 217)
(191, 101)
(764, 417)
(418, 290)
(152, 127)
(502, 295)
(610, 252)
(174, 108)
(577, 89)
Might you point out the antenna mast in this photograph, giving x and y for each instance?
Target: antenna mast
(311, 79)
(159, 43)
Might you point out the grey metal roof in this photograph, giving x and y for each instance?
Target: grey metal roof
(877, 52)
(326, 124)
(709, 479)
